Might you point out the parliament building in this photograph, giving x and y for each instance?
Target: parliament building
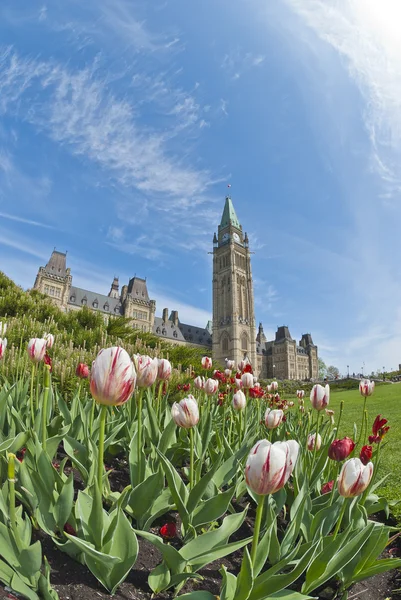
(232, 333)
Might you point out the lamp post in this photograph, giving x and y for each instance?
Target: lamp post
(274, 366)
(348, 371)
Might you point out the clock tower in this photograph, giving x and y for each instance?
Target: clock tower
(234, 334)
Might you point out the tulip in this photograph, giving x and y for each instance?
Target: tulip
(147, 369)
(36, 349)
(239, 400)
(82, 371)
(354, 477)
(168, 531)
(300, 394)
(330, 413)
(164, 369)
(311, 441)
(238, 383)
(290, 404)
(49, 337)
(206, 362)
(199, 382)
(3, 329)
(113, 377)
(341, 449)
(327, 487)
(211, 386)
(256, 383)
(269, 466)
(320, 396)
(185, 413)
(274, 386)
(302, 409)
(366, 454)
(227, 372)
(3, 346)
(273, 418)
(366, 387)
(230, 364)
(379, 430)
(247, 380)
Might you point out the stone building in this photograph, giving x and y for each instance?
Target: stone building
(232, 333)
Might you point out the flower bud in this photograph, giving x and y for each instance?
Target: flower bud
(36, 349)
(320, 396)
(3, 329)
(300, 394)
(82, 371)
(274, 386)
(366, 454)
(163, 369)
(3, 346)
(206, 362)
(49, 337)
(311, 441)
(273, 418)
(185, 413)
(230, 364)
(354, 477)
(247, 380)
(366, 387)
(168, 531)
(211, 386)
(269, 466)
(238, 383)
(113, 377)
(239, 400)
(341, 449)
(146, 369)
(327, 487)
(199, 382)
(227, 372)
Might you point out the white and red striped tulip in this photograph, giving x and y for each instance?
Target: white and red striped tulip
(239, 400)
(366, 387)
(3, 346)
(3, 329)
(185, 413)
(247, 380)
(230, 364)
(238, 383)
(273, 418)
(147, 369)
(49, 337)
(113, 376)
(269, 466)
(311, 441)
(354, 477)
(37, 349)
(300, 394)
(320, 396)
(206, 362)
(242, 364)
(163, 369)
(274, 386)
(199, 382)
(227, 372)
(211, 386)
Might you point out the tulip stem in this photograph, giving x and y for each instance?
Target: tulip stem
(340, 518)
(139, 437)
(256, 530)
(191, 459)
(339, 417)
(315, 445)
(362, 424)
(11, 494)
(46, 390)
(31, 396)
(100, 465)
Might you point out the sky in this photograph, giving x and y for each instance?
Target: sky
(122, 122)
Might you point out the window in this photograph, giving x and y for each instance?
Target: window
(47, 289)
(116, 310)
(95, 304)
(158, 330)
(84, 300)
(52, 290)
(175, 334)
(225, 344)
(72, 298)
(106, 307)
(244, 342)
(164, 332)
(58, 293)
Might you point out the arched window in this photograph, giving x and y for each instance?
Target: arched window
(84, 300)
(72, 298)
(95, 304)
(225, 344)
(244, 342)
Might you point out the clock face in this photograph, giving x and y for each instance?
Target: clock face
(236, 238)
(225, 237)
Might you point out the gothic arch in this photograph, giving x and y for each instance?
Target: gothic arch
(244, 342)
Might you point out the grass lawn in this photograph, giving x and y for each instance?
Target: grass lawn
(386, 401)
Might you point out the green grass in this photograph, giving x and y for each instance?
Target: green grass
(386, 401)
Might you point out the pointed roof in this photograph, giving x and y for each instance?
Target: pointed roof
(57, 263)
(229, 215)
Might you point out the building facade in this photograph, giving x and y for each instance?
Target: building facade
(232, 333)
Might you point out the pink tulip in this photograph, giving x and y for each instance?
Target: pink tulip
(36, 349)
(3, 346)
(269, 466)
(354, 477)
(49, 337)
(113, 377)
(185, 413)
(247, 380)
(206, 362)
(320, 396)
(199, 382)
(366, 387)
(311, 441)
(230, 364)
(273, 418)
(211, 386)
(239, 400)
(163, 369)
(147, 369)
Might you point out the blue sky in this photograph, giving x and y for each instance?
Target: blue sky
(122, 122)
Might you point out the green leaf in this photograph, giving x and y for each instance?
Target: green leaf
(125, 546)
(21, 588)
(177, 488)
(196, 494)
(159, 578)
(31, 560)
(245, 578)
(13, 445)
(212, 509)
(229, 585)
(198, 596)
(64, 503)
(152, 419)
(167, 438)
(204, 559)
(90, 551)
(171, 556)
(292, 531)
(288, 595)
(380, 566)
(144, 494)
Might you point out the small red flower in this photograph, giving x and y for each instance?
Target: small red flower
(327, 487)
(48, 361)
(186, 387)
(56, 465)
(247, 368)
(341, 449)
(20, 454)
(69, 529)
(366, 454)
(82, 371)
(168, 531)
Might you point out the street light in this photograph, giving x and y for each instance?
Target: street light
(348, 371)
(274, 366)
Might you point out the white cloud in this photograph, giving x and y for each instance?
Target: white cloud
(26, 221)
(236, 62)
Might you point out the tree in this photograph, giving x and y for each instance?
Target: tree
(333, 372)
(322, 368)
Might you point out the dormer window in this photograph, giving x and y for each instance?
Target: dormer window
(175, 334)
(158, 330)
(116, 310)
(95, 304)
(164, 332)
(106, 307)
(72, 298)
(84, 300)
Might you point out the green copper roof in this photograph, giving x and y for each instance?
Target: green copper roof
(229, 215)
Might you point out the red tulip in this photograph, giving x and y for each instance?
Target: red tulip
(379, 430)
(341, 449)
(168, 531)
(48, 361)
(327, 487)
(366, 454)
(69, 529)
(82, 371)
